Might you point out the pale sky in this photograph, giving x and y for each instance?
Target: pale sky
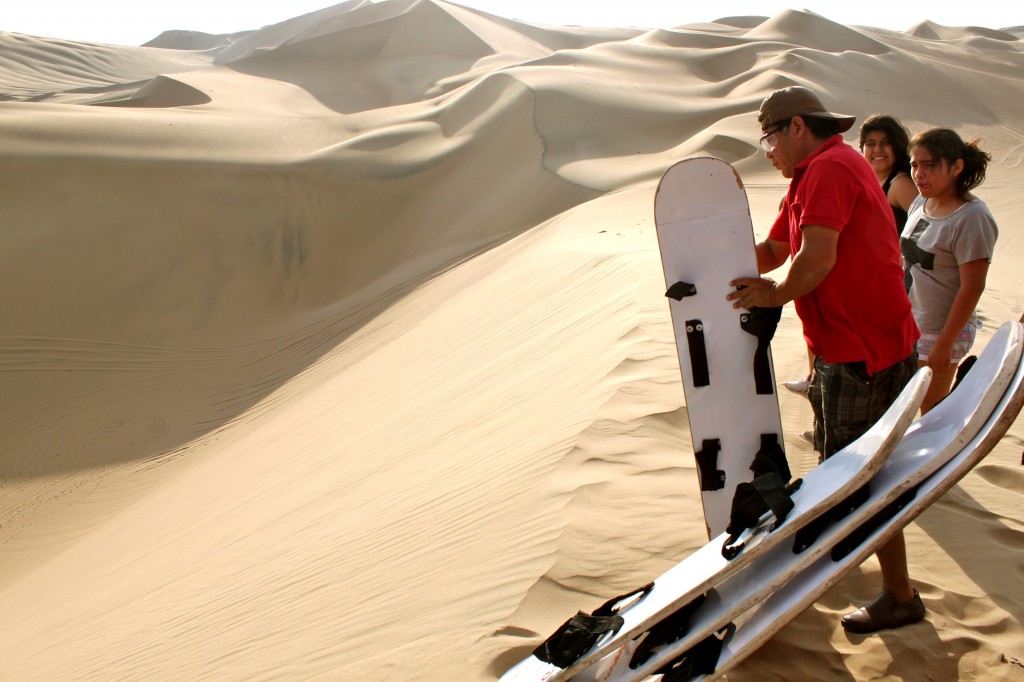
(135, 22)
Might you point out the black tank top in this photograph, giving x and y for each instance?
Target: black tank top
(898, 213)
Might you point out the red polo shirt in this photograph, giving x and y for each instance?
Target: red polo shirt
(860, 311)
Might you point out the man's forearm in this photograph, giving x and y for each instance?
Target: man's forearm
(811, 264)
(802, 279)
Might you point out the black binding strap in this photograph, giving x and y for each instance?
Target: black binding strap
(670, 629)
(681, 290)
(761, 322)
(751, 501)
(615, 604)
(962, 370)
(808, 535)
(858, 536)
(579, 634)
(698, 353)
(771, 458)
(576, 637)
(749, 506)
(711, 477)
(701, 659)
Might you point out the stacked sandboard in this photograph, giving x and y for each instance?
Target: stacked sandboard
(782, 606)
(705, 615)
(827, 485)
(756, 594)
(744, 610)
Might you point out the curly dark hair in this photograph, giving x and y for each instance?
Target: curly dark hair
(898, 136)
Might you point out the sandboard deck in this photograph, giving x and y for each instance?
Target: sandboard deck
(787, 603)
(932, 442)
(706, 239)
(829, 483)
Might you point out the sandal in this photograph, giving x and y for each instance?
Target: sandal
(883, 612)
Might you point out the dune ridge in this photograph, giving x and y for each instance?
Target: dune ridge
(35, 68)
(338, 349)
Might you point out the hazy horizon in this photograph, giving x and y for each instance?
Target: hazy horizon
(117, 22)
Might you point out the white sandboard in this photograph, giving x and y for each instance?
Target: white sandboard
(929, 444)
(787, 603)
(828, 484)
(706, 239)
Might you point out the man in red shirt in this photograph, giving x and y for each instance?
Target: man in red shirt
(846, 282)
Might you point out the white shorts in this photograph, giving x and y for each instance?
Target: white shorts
(961, 346)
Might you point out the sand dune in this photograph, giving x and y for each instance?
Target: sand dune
(37, 69)
(929, 29)
(337, 349)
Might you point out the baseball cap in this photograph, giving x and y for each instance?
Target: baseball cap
(797, 100)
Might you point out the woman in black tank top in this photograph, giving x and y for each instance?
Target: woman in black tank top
(884, 142)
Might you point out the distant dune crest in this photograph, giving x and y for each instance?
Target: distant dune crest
(363, 30)
(933, 31)
(194, 40)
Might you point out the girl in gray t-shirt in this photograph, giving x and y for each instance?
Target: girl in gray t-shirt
(947, 246)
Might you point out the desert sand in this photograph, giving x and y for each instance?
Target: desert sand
(338, 349)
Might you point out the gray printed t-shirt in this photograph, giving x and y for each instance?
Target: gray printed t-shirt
(934, 248)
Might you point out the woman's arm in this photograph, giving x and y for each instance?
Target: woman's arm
(902, 192)
(972, 286)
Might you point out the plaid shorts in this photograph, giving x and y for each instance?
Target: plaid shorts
(847, 401)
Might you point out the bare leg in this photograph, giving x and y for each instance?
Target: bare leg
(942, 380)
(892, 556)
(898, 603)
